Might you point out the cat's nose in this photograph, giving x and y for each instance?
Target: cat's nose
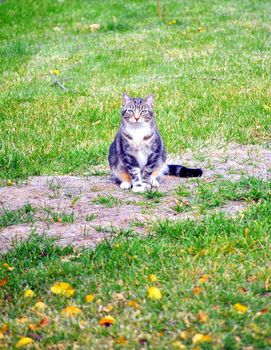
(137, 117)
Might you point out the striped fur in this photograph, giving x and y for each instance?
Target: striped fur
(137, 156)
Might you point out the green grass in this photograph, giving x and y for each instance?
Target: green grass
(90, 217)
(58, 216)
(208, 195)
(208, 64)
(108, 201)
(234, 254)
(209, 72)
(153, 195)
(19, 216)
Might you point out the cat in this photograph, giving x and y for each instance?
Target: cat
(137, 156)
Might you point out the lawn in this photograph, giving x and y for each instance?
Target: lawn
(207, 63)
(198, 283)
(213, 276)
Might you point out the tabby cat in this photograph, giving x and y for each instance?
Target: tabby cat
(137, 156)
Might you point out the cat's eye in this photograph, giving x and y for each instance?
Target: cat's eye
(144, 111)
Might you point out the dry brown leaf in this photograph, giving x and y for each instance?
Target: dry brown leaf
(3, 281)
(44, 322)
(262, 312)
(252, 278)
(107, 308)
(196, 290)
(241, 290)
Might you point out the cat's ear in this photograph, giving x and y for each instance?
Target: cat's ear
(125, 99)
(150, 100)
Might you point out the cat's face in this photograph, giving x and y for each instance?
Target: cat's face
(137, 110)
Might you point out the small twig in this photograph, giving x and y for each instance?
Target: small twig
(58, 83)
(160, 11)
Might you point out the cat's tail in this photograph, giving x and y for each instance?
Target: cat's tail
(182, 171)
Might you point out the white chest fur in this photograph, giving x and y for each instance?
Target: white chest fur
(140, 147)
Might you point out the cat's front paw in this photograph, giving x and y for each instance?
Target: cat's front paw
(125, 185)
(139, 188)
(146, 185)
(154, 183)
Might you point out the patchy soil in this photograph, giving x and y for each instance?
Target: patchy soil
(78, 197)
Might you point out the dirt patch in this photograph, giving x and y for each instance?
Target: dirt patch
(83, 210)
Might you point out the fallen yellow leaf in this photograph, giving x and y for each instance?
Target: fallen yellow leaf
(184, 335)
(4, 328)
(62, 288)
(107, 321)
(133, 304)
(89, 298)
(40, 306)
(203, 279)
(1, 335)
(202, 316)
(154, 293)
(266, 284)
(201, 338)
(152, 278)
(206, 338)
(8, 267)
(22, 320)
(171, 22)
(177, 344)
(24, 341)
(33, 327)
(55, 71)
(70, 311)
(10, 183)
(29, 293)
(121, 340)
(240, 308)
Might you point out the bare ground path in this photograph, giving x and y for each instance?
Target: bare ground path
(82, 210)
